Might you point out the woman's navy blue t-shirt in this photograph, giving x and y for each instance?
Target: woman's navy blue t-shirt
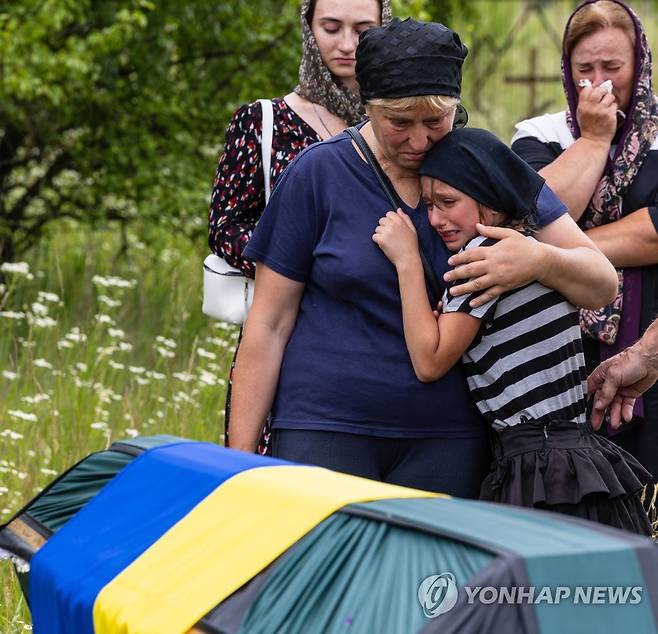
(346, 367)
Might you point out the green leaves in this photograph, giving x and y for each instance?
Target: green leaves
(130, 100)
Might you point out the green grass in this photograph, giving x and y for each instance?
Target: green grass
(116, 347)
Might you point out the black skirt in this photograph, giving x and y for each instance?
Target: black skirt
(565, 467)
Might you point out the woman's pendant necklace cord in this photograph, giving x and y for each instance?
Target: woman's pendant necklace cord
(324, 125)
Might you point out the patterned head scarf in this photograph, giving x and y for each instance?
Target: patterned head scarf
(317, 84)
(635, 139)
(408, 58)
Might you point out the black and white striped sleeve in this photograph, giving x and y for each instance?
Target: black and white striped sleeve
(461, 303)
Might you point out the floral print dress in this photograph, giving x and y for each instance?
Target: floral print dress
(238, 196)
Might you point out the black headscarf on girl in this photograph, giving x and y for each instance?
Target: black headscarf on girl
(480, 165)
(636, 137)
(317, 84)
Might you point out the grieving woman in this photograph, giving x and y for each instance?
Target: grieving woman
(324, 347)
(601, 157)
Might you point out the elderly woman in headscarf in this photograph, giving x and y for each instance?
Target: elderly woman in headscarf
(601, 157)
(324, 345)
(325, 102)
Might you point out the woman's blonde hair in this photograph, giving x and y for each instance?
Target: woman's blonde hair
(436, 103)
(596, 17)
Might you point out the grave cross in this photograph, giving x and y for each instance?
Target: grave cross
(532, 79)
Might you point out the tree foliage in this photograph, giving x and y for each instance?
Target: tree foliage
(114, 110)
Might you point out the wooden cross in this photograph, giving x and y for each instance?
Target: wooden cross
(533, 79)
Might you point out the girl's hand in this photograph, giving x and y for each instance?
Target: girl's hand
(396, 237)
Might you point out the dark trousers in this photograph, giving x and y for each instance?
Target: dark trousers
(455, 466)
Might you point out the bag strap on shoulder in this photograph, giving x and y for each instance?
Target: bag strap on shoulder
(396, 201)
(266, 143)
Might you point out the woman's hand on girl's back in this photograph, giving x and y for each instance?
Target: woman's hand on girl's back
(510, 263)
(396, 237)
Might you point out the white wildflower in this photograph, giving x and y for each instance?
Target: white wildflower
(124, 346)
(207, 378)
(12, 314)
(76, 335)
(19, 268)
(48, 472)
(131, 431)
(48, 297)
(136, 369)
(42, 322)
(99, 425)
(117, 333)
(106, 352)
(9, 375)
(182, 397)
(165, 352)
(64, 343)
(37, 398)
(27, 416)
(108, 301)
(169, 343)
(42, 363)
(159, 414)
(222, 325)
(205, 354)
(215, 341)
(81, 367)
(186, 377)
(12, 435)
(3, 490)
(156, 375)
(39, 309)
(115, 365)
(141, 380)
(3, 289)
(101, 318)
(117, 282)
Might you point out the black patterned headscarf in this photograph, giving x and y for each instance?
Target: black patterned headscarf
(610, 325)
(317, 84)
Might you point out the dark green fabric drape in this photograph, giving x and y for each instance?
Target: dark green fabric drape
(357, 575)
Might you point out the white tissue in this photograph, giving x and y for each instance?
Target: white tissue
(606, 85)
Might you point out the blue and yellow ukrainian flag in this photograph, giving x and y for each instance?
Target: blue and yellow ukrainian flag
(176, 532)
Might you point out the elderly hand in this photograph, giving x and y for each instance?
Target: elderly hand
(510, 263)
(617, 382)
(597, 114)
(396, 236)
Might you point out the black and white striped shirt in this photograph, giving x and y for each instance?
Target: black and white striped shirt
(527, 359)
